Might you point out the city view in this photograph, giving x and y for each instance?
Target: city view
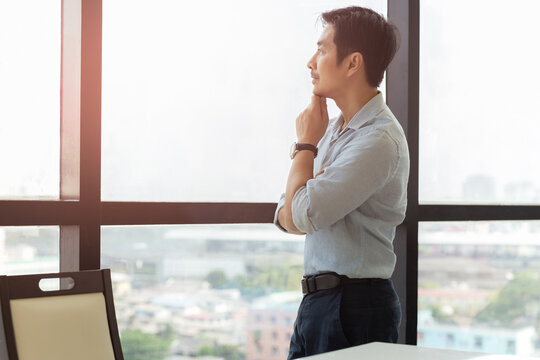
(232, 291)
(479, 286)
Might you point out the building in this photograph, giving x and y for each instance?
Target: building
(520, 341)
(270, 326)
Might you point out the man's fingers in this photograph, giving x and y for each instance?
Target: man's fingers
(323, 104)
(315, 101)
(320, 172)
(324, 109)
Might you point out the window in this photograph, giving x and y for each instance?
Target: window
(511, 346)
(478, 342)
(474, 153)
(30, 99)
(136, 99)
(205, 115)
(479, 280)
(29, 250)
(450, 339)
(476, 137)
(204, 283)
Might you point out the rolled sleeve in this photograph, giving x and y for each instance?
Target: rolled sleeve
(300, 211)
(358, 172)
(280, 204)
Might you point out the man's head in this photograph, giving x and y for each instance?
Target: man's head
(355, 42)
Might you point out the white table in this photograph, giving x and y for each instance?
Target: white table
(383, 351)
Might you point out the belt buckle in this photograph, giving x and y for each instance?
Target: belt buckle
(309, 284)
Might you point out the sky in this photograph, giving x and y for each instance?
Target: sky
(29, 98)
(199, 99)
(478, 89)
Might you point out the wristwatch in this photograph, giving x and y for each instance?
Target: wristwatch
(296, 147)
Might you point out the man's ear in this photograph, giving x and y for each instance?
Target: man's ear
(355, 62)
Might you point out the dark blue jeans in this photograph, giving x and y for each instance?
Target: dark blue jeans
(346, 316)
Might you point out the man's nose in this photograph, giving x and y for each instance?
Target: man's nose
(311, 63)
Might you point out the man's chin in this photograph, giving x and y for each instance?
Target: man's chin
(321, 94)
(318, 92)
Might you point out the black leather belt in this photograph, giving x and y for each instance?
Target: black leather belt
(330, 280)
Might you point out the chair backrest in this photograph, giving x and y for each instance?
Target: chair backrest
(77, 322)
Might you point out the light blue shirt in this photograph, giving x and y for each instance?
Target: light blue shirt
(350, 212)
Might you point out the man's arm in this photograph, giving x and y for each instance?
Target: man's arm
(301, 171)
(359, 171)
(311, 125)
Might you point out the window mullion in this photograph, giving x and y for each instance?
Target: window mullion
(402, 87)
(90, 135)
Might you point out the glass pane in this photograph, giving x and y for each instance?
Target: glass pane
(479, 286)
(202, 108)
(29, 250)
(30, 98)
(205, 290)
(479, 78)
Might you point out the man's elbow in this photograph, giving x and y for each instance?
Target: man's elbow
(286, 221)
(294, 230)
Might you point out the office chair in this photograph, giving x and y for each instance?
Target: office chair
(77, 322)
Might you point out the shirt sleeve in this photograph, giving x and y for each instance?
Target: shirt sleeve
(360, 170)
(280, 204)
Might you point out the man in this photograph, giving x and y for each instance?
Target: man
(347, 189)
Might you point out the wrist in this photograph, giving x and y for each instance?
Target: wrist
(303, 147)
(307, 141)
(304, 154)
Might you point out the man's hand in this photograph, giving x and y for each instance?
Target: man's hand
(311, 124)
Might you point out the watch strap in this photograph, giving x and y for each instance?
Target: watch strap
(310, 147)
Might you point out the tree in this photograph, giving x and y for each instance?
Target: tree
(285, 277)
(518, 301)
(228, 352)
(138, 345)
(167, 333)
(217, 278)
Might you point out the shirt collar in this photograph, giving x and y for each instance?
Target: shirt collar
(366, 113)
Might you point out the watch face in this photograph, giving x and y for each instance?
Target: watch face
(293, 150)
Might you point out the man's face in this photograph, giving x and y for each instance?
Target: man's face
(327, 76)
